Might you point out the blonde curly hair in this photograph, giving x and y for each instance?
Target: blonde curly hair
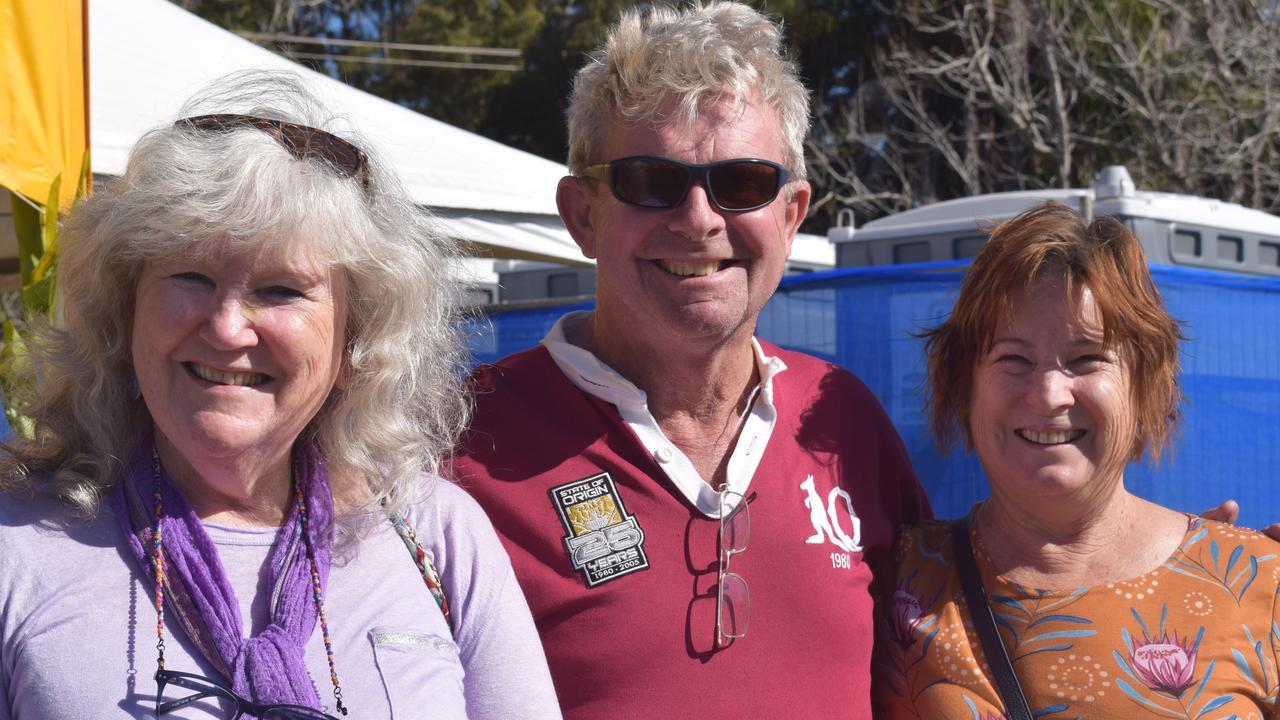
(667, 65)
(185, 191)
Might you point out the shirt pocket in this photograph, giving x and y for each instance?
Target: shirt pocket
(421, 672)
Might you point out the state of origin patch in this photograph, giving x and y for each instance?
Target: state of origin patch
(604, 542)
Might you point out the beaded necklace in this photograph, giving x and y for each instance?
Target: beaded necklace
(318, 595)
(158, 568)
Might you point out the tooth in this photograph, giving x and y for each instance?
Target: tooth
(1053, 437)
(690, 269)
(227, 378)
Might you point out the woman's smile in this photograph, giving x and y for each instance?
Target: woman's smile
(225, 377)
(1050, 437)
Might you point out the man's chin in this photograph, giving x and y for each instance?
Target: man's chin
(671, 322)
(708, 320)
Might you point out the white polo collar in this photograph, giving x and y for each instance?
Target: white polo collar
(592, 376)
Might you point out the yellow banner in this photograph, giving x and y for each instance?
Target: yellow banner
(44, 111)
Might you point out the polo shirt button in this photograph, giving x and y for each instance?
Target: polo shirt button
(663, 454)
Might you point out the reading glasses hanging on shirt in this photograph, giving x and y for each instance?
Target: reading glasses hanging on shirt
(235, 706)
(733, 600)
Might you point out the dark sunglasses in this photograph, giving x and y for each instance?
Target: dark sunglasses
(660, 183)
(205, 688)
(301, 141)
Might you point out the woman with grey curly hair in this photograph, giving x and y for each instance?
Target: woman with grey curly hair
(254, 361)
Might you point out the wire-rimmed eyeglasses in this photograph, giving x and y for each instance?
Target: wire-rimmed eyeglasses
(205, 688)
(733, 600)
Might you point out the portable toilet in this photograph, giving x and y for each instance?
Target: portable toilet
(1174, 229)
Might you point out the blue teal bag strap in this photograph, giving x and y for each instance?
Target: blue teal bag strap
(430, 575)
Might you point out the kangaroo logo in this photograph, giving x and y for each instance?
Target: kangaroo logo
(826, 521)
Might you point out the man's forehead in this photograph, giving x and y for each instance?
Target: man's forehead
(676, 130)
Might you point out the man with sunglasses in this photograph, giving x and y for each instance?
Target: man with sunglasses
(688, 508)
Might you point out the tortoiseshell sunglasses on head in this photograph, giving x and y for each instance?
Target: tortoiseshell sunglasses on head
(301, 141)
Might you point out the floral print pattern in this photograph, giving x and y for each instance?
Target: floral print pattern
(1196, 638)
(1165, 665)
(904, 614)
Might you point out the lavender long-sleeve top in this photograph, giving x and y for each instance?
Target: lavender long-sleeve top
(78, 625)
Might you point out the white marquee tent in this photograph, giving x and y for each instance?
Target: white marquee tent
(146, 57)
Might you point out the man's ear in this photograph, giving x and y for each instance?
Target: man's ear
(574, 200)
(797, 209)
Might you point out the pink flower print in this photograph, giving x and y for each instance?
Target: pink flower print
(904, 614)
(1164, 665)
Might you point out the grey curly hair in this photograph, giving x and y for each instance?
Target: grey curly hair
(185, 191)
(667, 65)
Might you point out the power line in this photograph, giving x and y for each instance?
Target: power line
(411, 47)
(404, 61)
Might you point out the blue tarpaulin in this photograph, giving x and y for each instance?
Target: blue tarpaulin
(864, 320)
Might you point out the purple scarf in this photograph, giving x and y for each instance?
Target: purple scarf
(269, 667)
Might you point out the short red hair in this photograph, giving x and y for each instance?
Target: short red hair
(1102, 255)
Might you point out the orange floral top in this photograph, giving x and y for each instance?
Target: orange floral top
(1198, 637)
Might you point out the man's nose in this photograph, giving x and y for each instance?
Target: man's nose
(696, 217)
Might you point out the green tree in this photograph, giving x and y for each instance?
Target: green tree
(461, 97)
(978, 96)
(260, 15)
(522, 107)
(529, 111)
(832, 39)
